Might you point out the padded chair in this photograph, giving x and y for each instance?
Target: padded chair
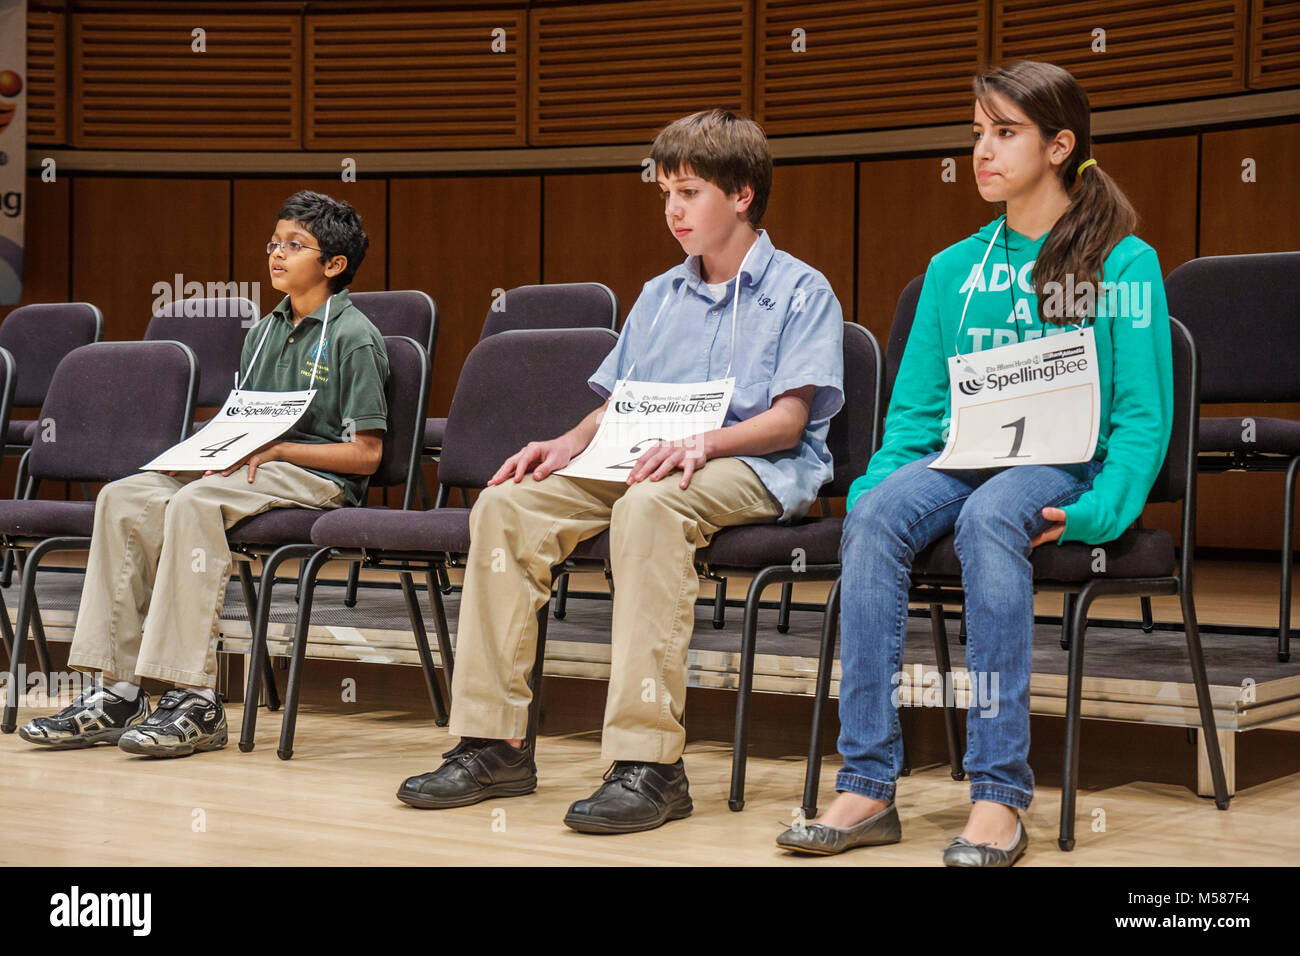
(284, 534)
(1140, 562)
(157, 382)
(494, 412)
(215, 330)
(1254, 303)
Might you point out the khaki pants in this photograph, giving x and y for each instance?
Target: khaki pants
(520, 531)
(159, 564)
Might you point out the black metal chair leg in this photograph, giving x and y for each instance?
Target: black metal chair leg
(1284, 603)
(825, 663)
(259, 621)
(26, 601)
(7, 631)
(1067, 617)
(354, 580)
(307, 585)
(422, 647)
(38, 631)
(783, 615)
(268, 672)
(961, 631)
(748, 641)
(535, 681)
(444, 582)
(562, 595)
(1073, 696)
(443, 635)
(1208, 728)
(1148, 622)
(940, 634)
(720, 606)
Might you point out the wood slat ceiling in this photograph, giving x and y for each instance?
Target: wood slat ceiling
(866, 66)
(1154, 51)
(618, 72)
(46, 78)
(415, 81)
(1274, 43)
(136, 82)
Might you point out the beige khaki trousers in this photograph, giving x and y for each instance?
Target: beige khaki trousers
(518, 532)
(159, 564)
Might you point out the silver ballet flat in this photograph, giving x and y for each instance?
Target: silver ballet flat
(881, 829)
(961, 852)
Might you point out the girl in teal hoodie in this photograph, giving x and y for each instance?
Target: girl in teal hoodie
(1062, 258)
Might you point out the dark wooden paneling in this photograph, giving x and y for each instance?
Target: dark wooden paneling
(47, 78)
(138, 84)
(1159, 178)
(1154, 51)
(45, 244)
(810, 216)
(907, 213)
(415, 80)
(1240, 217)
(1274, 43)
(866, 65)
(458, 239)
(130, 233)
(256, 202)
(617, 72)
(606, 227)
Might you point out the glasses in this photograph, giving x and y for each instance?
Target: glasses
(292, 247)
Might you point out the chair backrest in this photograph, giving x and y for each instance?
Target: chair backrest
(39, 336)
(7, 382)
(904, 314)
(855, 430)
(1172, 483)
(215, 330)
(406, 312)
(560, 305)
(407, 394)
(112, 407)
(517, 387)
(1254, 303)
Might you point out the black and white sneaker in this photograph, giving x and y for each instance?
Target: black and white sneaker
(184, 723)
(97, 716)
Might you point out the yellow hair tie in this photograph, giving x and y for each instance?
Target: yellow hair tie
(1084, 165)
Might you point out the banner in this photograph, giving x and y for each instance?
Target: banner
(13, 146)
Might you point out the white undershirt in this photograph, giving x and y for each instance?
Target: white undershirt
(718, 290)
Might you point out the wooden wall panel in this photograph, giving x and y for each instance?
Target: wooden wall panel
(415, 80)
(810, 216)
(1159, 178)
(1274, 43)
(861, 66)
(617, 72)
(458, 239)
(130, 233)
(907, 213)
(605, 227)
(1259, 216)
(138, 84)
(45, 247)
(256, 202)
(47, 78)
(1157, 51)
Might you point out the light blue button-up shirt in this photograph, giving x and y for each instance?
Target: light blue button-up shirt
(789, 334)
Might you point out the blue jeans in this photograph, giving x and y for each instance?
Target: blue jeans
(995, 513)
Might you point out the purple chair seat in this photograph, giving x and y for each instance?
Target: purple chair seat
(30, 431)
(1145, 553)
(20, 517)
(391, 529)
(1272, 436)
(752, 546)
(17, 433)
(275, 527)
(433, 432)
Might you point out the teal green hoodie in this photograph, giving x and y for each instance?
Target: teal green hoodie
(1133, 352)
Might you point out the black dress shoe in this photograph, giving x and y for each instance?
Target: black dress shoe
(635, 796)
(475, 770)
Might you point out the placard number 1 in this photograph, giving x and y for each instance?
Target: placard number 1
(1019, 426)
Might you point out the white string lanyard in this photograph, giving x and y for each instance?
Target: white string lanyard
(971, 291)
(735, 308)
(319, 346)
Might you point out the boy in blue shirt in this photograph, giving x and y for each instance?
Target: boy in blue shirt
(782, 341)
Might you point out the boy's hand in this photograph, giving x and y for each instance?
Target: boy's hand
(1053, 530)
(688, 454)
(547, 456)
(268, 452)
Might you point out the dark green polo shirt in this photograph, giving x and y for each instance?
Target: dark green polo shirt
(353, 367)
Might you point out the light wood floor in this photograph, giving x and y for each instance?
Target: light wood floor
(333, 805)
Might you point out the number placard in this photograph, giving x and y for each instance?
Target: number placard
(246, 422)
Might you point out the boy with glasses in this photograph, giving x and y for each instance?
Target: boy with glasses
(159, 564)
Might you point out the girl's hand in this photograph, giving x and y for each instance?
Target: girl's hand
(1053, 530)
